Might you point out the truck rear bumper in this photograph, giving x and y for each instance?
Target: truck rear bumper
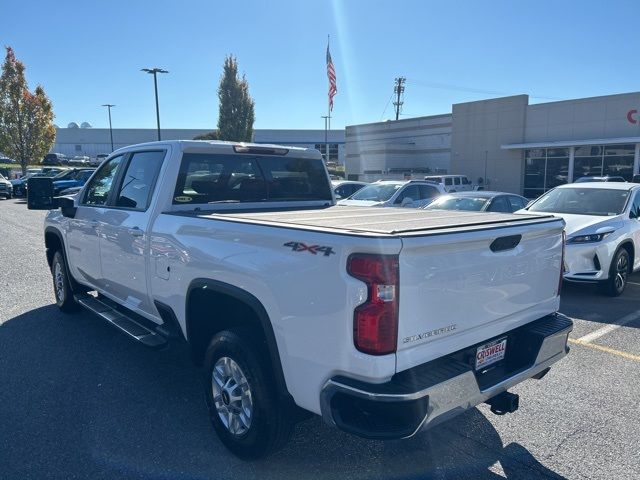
(423, 396)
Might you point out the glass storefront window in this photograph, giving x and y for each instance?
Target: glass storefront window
(557, 152)
(619, 150)
(619, 166)
(557, 172)
(545, 169)
(588, 151)
(587, 167)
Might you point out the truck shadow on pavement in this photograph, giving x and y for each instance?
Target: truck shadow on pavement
(79, 400)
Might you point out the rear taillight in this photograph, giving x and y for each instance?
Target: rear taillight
(564, 238)
(375, 322)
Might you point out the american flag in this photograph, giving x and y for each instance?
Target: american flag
(331, 73)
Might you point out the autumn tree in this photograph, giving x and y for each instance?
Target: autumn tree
(236, 115)
(26, 119)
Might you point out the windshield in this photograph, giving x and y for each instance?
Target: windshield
(376, 193)
(458, 203)
(582, 201)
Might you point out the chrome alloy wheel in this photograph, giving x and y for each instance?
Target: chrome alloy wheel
(622, 272)
(232, 396)
(58, 278)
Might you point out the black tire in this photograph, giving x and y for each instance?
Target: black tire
(270, 425)
(61, 284)
(618, 274)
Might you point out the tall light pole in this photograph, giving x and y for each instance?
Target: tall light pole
(154, 71)
(109, 107)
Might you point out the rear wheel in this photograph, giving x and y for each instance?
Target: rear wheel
(618, 274)
(61, 284)
(241, 397)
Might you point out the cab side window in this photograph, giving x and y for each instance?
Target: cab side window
(448, 181)
(99, 187)
(457, 180)
(139, 179)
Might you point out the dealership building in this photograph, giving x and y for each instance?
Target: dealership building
(505, 143)
(83, 140)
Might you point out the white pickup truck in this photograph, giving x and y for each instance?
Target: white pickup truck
(383, 321)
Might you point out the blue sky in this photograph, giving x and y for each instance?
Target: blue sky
(89, 53)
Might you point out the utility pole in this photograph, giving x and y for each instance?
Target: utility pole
(399, 90)
(109, 107)
(326, 140)
(154, 72)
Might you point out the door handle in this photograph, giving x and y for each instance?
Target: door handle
(136, 232)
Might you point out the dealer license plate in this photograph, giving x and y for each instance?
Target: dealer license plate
(490, 353)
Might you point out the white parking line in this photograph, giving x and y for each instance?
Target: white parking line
(590, 337)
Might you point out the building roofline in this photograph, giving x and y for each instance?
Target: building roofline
(571, 143)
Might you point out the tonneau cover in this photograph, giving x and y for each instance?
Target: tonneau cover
(377, 220)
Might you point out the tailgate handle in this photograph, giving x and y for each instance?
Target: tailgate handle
(505, 243)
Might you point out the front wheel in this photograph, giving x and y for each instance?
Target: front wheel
(241, 397)
(62, 285)
(618, 274)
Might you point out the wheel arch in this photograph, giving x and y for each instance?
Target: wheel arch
(630, 248)
(53, 241)
(214, 292)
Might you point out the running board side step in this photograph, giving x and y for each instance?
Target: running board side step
(122, 322)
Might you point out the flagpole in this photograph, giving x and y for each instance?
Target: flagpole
(327, 129)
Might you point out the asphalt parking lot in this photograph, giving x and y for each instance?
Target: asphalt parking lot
(79, 400)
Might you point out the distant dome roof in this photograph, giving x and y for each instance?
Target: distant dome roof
(73, 125)
(85, 125)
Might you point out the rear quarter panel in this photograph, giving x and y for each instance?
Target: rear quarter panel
(309, 297)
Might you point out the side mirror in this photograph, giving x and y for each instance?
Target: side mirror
(67, 206)
(406, 201)
(40, 194)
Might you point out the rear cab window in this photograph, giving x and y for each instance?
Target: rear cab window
(218, 178)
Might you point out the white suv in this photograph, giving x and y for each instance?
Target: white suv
(452, 183)
(392, 193)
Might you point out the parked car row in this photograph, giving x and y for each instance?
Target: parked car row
(58, 159)
(62, 179)
(602, 216)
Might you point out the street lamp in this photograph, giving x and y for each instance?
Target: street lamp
(109, 106)
(154, 71)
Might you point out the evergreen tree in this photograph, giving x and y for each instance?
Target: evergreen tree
(236, 116)
(26, 119)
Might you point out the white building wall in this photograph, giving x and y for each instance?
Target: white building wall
(93, 141)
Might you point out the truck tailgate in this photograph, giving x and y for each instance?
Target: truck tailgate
(463, 287)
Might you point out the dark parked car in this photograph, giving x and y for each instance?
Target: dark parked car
(54, 159)
(606, 178)
(6, 189)
(479, 201)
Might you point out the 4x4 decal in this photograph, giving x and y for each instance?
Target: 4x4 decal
(314, 249)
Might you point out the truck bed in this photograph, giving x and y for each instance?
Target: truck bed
(377, 221)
